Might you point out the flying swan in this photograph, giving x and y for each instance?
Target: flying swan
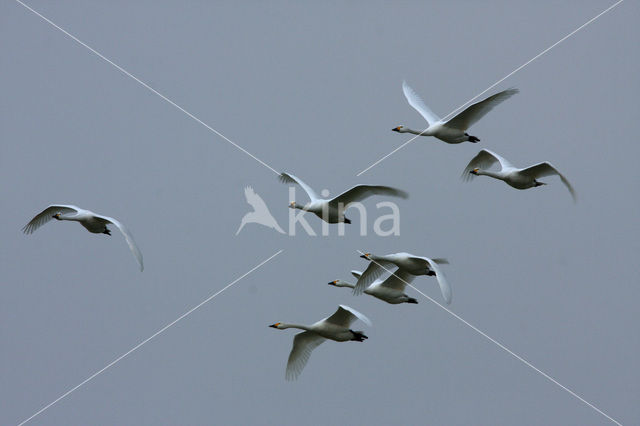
(453, 130)
(335, 327)
(390, 290)
(332, 210)
(517, 178)
(409, 263)
(94, 223)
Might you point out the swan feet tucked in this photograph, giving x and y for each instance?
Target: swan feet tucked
(412, 300)
(107, 231)
(358, 336)
(472, 139)
(347, 220)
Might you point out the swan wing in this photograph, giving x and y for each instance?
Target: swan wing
(546, 169)
(289, 178)
(303, 344)
(356, 274)
(360, 192)
(372, 273)
(475, 112)
(47, 214)
(440, 260)
(345, 316)
(483, 160)
(418, 104)
(127, 236)
(398, 280)
(445, 288)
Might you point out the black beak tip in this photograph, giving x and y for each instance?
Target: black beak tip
(273, 326)
(395, 129)
(363, 256)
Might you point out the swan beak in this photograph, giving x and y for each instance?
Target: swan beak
(474, 171)
(292, 205)
(275, 325)
(56, 216)
(366, 256)
(396, 129)
(333, 282)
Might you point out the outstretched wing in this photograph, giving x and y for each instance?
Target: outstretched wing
(289, 178)
(546, 169)
(360, 192)
(372, 273)
(127, 236)
(398, 280)
(303, 344)
(46, 215)
(475, 112)
(418, 104)
(445, 288)
(483, 160)
(356, 274)
(345, 316)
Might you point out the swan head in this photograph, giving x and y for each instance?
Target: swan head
(366, 256)
(334, 283)
(399, 129)
(56, 216)
(474, 172)
(276, 325)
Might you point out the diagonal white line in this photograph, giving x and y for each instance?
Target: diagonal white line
(501, 346)
(498, 82)
(146, 86)
(136, 347)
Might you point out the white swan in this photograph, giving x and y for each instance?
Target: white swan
(517, 178)
(414, 265)
(453, 130)
(335, 327)
(332, 210)
(390, 290)
(93, 222)
(260, 213)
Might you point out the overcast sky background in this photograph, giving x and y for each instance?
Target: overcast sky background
(314, 90)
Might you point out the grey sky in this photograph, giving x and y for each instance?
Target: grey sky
(315, 90)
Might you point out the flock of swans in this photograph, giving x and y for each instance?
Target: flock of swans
(385, 277)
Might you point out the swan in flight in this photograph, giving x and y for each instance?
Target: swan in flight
(260, 213)
(390, 290)
(332, 210)
(335, 327)
(517, 178)
(406, 262)
(94, 223)
(453, 130)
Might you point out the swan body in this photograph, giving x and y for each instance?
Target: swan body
(334, 327)
(94, 223)
(260, 213)
(453, 130)
(407, 263)
(517, 178)
(332, 210)
(390, 290)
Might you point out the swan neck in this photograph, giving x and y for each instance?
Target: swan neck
(416, 132)
(348, 285)
(495, 175)
(299, 326)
